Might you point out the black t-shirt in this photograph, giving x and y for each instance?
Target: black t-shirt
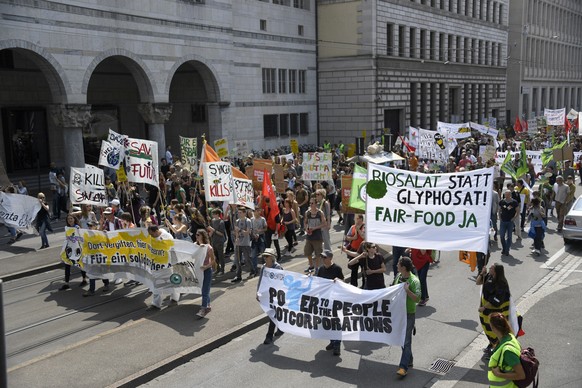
(508, 209)
(375, 281)
(334, 271)
(496, 295)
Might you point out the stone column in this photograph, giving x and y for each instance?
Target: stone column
(71, 119)
(155, 116)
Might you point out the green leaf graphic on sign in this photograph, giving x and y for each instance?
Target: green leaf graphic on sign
(376, 189)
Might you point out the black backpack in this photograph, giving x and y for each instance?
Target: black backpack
(530, 365)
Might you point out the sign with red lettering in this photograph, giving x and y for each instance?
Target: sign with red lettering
(218, 182)
(316, 166)
(141, 161)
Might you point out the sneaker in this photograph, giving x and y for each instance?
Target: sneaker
(106, 288)
(236, 280)
(233, 268)
(201, 313)
(268, 340)
(64, 287)
(18, 235)
(422, 302)
(401, 372)
(329, 347)
(309, 269)
(537, 252)
(301, 233)
(83, 283)
(208, 310)
(12, 241)
(151, 307)
(279, 333)
(118, 281)
(88, 293)
(252, 275)
(295, 243)
(488, 349)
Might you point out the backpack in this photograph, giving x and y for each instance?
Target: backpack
(530, 365)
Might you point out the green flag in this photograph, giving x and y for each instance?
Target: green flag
(548, 153)
(358, 195)
(522, 169)
(507, 166)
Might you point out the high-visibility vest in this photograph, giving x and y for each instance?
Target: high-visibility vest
(510, 346)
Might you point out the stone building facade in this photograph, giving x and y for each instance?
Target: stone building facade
(544, 66)
(154, 69)
(394, 63)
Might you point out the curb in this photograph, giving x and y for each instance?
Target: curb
(30, 272)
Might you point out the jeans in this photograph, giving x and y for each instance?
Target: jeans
(68, 273)
(257, 247)
(506, 230)
(242, 251)
(43, 227)
(406, 358)
(422, 274)
(494, 224)
(206, 287)
(92, 284)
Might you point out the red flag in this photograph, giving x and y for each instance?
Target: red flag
(576, 123)
(517, 126)
(271, 209)
(567, 126)
(408, 146)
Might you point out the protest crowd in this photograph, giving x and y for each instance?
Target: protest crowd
(284, 197)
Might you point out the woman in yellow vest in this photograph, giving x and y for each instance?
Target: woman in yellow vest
(504, 364)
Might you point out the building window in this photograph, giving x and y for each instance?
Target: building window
(389, 39)
(292, 81)
(401, 41)
(304, 123)
(263, 25)
(294, 123)
(284, 125)
(302, 76)
(433, 45)
(282, 80)
(270, 126)
(301, 4)
(269, 81)
(423, 44)
(198, 113)
(412, 44)
(300, 30)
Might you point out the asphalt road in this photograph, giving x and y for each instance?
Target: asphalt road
(58, 338)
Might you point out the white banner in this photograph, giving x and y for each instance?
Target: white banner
(536, 158)
(288, 157)
(218, 182)
(313, 307)
(189, 153)
(458, 131)
(18, 210)
(133, 254)
(532, 125)
(244, 194)
(316, 166)
(241, 147)
(446, 212)
(413, 136)
(555, 116)
(484, 129)
(87, 186)
(110, 155)
(433, 145)
(141, 161)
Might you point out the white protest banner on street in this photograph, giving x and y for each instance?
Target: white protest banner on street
(484, 129)
(117, 140)
(189, 152)
(536, 158)
(555, 116)
(445, 212)
(458, 131)
(432, 145)
(316, 166)
(244, 194)
(18, 210)
(218, 182)
(141, 161)
(110, 155)
(313, 307)
(162, 265)
(87, 186)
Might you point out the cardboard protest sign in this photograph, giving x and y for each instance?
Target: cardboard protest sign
(555, 116)
(358, 189)
(418, 210)
(221, 147)
(141, 161)
(259, 166)
(189, 152)
(18, 210)
(244, 195)
(314, 307)
(218, 182)
(279, 173)
(294, 146)
(162, 265)
(317, 166)
(87, 186)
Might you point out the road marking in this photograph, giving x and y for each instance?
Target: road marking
(551, 260)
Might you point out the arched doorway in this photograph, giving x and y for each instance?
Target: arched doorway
(29, 83)
(195, 98)
(115, 88)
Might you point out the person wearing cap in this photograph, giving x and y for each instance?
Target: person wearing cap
(332, 271)
(413, 293)
(115, 207)
(109, 221)
(270, 257)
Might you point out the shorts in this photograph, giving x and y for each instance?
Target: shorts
(313, 246)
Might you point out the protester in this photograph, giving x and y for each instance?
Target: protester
(508, 212)
(354, 239)
(207, 266)
(560, 196)
(330, 270)
(289, 220)
(537, 224)
(178, 229)
(324, 206)
(257, 237)
(314, 221)
(270, 257)
(92, 282)
(242, 230)
(217, 232)
(159, 234)
(373, 266)
(421, 258)
(43, 222)
(495, 297)
(413, 293)
(72, 222)
(504, 364)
